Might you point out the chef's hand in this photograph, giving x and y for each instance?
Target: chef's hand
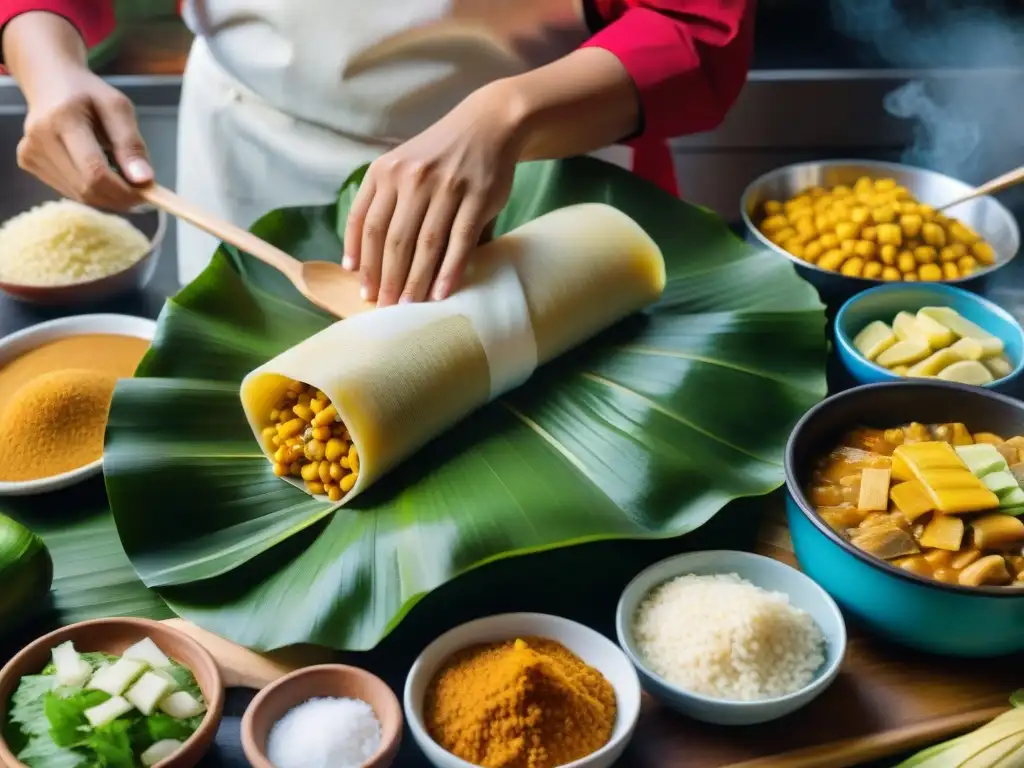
(72, 115)
(423, 206)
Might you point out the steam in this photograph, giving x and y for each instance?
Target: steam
(970, 125)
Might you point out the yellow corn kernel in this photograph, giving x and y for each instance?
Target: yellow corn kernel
(930, 272)
(829, 241)
(840, 210)
(281, 470)
(282, 454)
(888, 253)
(324, 472)
(872, 270)
(782, 235)
(884, 214)
(891, 274)
(961, 233)
(860, 214)
(275, 440)
(335, 449)
(925, 254)
(315, 450)
(845, 230)
(334, 493)
(315, 487)
(326, 417)
(967, 264)
(824, 222)
(336, 471)
(847, 246)
(852, 267)
(933, 234)
(816, 191)
(885, 185)
(275, 415)
(805, 228)
(812, 251)
(268, 433)
(295, 469)
(795, 248)
(343, 461)
(310, 471)
(304, 398)
(323, 434)
(800, 201)
(317, 405)
(948, 255)
(910, 277)
(347, 482)
(863, 184)
(869, 233)
(889, 234)
(772, 207)
(864, 249)
(902, 193)
(841, 190)
(290, 428)
(296, 386)
(950, 271)
(353, 458)
(983, 252)
(906, 262)
(303, 412)
(831, 260)
(911, 224)
(926, 211)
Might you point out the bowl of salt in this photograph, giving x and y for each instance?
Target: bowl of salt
(331, 715)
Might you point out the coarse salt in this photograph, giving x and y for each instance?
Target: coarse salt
(325, 733)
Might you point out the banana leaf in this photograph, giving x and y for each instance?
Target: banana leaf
(644, 432)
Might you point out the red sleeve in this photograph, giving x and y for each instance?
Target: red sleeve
(94, 19)
(688, 58)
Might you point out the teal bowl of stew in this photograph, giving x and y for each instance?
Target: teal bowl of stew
(901, 606)
(884, 302)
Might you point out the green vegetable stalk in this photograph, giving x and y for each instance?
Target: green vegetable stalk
(26, 572)
(998, 744)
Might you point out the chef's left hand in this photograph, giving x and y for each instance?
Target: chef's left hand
(423, 206)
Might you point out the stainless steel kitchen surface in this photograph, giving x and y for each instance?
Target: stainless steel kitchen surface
(783, 116)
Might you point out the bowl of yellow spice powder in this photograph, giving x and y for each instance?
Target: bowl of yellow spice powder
(522, 689)
(56, 383)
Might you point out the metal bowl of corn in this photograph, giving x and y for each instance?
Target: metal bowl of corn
(851, 224)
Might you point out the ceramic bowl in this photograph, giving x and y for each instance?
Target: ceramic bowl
(114, 636)
(591, 646)
(762, 572)
(885, 301)
(17, 344)
(986, 215)
(917, 612)
(152, 223)
(333, 680)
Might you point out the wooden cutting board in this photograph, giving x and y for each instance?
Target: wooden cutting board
(886, 701)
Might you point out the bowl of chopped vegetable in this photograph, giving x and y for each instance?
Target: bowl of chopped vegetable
(119, 691)
(731, 638)
(905, 503)
(926, 330)
(62, 253)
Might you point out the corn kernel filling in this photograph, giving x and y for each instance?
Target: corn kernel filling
(307, 440)
(874, 229)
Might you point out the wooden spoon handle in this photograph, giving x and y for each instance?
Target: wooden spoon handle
(178, 206)
(1016, 176)
(243, 668)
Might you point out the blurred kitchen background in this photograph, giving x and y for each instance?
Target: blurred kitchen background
(938, 83)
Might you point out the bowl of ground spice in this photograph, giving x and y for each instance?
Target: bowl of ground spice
(522, 689)
(56, 383)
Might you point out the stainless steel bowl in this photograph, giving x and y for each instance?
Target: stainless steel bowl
(990, 218)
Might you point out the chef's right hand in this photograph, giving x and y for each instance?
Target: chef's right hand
(73, 114)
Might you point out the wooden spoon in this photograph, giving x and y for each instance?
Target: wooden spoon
(324, 283)
(1015, 176)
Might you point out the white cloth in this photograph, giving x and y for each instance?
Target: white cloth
(283, 99)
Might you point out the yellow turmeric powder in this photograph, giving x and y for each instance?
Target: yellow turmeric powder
(54, 424)
(519, 704)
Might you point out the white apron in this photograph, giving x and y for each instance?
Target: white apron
(283, 99)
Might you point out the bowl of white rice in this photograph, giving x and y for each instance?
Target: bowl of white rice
(731, 638)
(65, 253)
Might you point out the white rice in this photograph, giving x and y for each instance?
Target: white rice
(63, 242)
(721, 636)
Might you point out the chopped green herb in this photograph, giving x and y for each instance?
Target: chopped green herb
(65, 714)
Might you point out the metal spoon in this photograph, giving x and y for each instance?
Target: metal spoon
(324, 283)
(1015, 176)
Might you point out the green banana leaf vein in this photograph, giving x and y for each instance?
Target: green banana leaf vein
(645, 431)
